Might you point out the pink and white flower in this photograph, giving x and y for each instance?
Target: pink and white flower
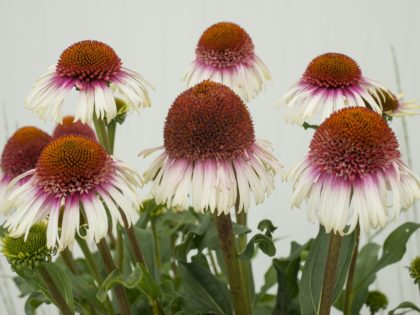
(225, 54)
(210, 154)
(77, 186)
(20, 154)
(353, 173)
(331, 81)
(95, 70)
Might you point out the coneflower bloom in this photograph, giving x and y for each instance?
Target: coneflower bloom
(394, 106)
(331, 81)
(95, 70)
(77, 186)
(20, 154)
(210, 154)
(353, 173)
(70, 127)
(225, 54)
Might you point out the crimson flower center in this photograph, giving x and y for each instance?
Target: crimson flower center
(208, 121)
(22, 150)
(72, 164)
(88, 61)
(71, 127)
(353, 142)
(224, 45)
(332, 70)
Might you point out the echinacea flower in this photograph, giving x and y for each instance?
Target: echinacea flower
(95, 70)
(70, 127)
(393, 105)
(77, 186)
(210, 154)
(21, 153)
(225, 54)
(331, 81)
(27, 253)
(353, 173)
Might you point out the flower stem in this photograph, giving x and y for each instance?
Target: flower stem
(90, 262)
(54, 291)
(227, 243)
(112, 127)
(349, 285)
(119, 249)
(69, 261)
(330, 274)
(102, 133)
(157, 247)
(246, 266)
(119, 290)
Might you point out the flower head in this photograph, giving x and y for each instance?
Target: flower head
(74, 176)
(393, 105)
(415, 270)
(21, 153)
(225, 54)
(96, 71)
(331, 81)
(352, 166)
(211, 154)
(70, 127)
(27, 253)
(376, 301)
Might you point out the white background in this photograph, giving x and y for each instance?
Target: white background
(158, 38)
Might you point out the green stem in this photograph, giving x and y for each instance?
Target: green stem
(349, 284)
(227, 243)
(157, 247)
(102, 133)
(330, 274)
(119, 249)
(69, 261)
(132, 239)
(119, 290)
(246, 267)
(56, 295)
(90, 262)
(308, 126)
(112, 127)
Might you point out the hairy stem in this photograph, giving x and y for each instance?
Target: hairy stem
(69, 261)
(330, 274)
(227, 243)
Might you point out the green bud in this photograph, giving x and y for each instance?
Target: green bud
(415, 270)
(122, 109)
(29, 253)
(375, 301)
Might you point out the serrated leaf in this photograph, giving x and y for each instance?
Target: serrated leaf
(202, 291)
(405, 305)
(310, 286)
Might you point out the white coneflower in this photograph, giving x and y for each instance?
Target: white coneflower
(20, 154)
(75, 184)
(210, 154)
(95, 70)
(353, 173)
(331, 81)
(225, 54)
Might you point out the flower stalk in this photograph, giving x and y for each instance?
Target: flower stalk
(330, 274)
(237, 286)
(349, 284)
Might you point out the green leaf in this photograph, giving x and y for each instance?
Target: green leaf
(147, 245)
(313, 272)
(262, 242)
(393, 250)
(85, 290)
(139, 279)
(34, 300)
(268, 226)
(202, 291)
(62, 282)
(404, 305)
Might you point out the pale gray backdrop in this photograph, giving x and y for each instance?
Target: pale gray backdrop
(158, 38)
